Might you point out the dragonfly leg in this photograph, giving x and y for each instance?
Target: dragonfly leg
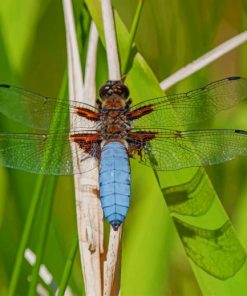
(90, 143)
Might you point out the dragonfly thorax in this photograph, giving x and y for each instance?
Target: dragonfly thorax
(114, 124)
(113, 103)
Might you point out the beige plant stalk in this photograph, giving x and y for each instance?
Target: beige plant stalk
(204, 60)
(88, 209)
(89, 213)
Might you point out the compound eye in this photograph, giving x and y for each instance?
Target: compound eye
(105, 91)
(123, 91)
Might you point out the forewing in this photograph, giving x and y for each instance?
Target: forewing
(173, 150)
(194, 106)
(44, 154)
(37, 111)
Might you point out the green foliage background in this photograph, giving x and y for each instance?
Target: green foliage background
(171, 34)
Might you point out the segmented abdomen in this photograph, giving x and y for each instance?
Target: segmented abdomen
(114, 180)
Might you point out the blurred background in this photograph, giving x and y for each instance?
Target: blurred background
(171, 34)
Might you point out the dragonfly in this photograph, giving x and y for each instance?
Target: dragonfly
(152, 132)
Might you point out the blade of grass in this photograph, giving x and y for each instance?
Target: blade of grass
(44, 273)
(31, 215)
(68, 267)
(48, 195)
(26, 233)
(132, 36)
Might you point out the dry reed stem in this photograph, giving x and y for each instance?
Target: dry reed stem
(113, 256)
(204, 60)
(89, 217)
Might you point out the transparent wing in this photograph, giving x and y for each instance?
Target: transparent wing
(36, 111)
(194, 106)
(44, 154)
(173, 150)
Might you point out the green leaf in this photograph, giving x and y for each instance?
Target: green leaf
(19, 19)
(143, 84)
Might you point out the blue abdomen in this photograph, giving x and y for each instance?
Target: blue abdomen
(114, 180)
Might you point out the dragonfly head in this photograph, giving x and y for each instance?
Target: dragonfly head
(114, 88)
